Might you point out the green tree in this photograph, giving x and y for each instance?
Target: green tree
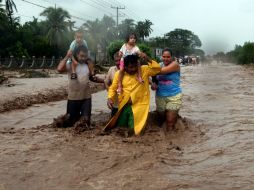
(145, 48)
(127, 26)
(10, 36)
(9, 7)
(34, 39)
(93, 33)
(56, 24)
(182, 41)
(109, 32)
(156, 42)
(114, 47)
(143, 29)
(246, 54)
(99, 33)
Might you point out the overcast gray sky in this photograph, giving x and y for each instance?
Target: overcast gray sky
(220, 24)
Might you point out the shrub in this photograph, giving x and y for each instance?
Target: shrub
(146, 49)
(114, 47)
(246, 54)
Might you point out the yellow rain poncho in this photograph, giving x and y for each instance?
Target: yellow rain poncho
(137, 92)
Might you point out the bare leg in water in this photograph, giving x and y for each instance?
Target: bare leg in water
(171, 119)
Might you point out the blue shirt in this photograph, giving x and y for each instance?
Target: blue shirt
(74, 45)
(168, 84)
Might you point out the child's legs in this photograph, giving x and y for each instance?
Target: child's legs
(139, 71)
(121, 64)
(120, 77)
(91, 68)
(73, 68)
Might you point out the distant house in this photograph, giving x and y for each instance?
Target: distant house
(157, 52)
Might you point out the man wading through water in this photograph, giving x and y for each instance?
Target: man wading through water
(79, 102)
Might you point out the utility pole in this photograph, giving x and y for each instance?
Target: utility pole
(117, 13)
(164, 40)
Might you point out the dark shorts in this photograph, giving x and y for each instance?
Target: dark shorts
(78, 108)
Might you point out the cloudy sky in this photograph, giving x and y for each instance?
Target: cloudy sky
(220, 24)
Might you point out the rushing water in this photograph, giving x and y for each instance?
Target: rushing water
(211, 149)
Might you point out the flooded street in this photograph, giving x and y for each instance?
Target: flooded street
(213, 147)
(42, 114)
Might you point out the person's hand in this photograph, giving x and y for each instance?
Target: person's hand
(69, 54)
(74, 62)
(142, 55)
(93, 78)
(110, 104)
(154, 86)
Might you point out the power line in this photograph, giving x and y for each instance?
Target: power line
(95, 7)
(69, 9)
(105, 3)
(73, 16)
(34, 4)
(117, 13)
(121, 4)
(23, 15)
(102, 5)
(128, 10)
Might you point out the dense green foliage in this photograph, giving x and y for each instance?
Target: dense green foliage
(53, 35)
(180, 41)
(246, 54)
(240, 55)
(116, 45)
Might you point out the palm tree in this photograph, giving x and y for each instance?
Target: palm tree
(144, 29)
(93, 31)
(109, 32)
(71, 25)
(56, 24)
(127, 26)
(9, 7)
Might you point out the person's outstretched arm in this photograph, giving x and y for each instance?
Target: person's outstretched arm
(112, 90)
(153, 68)
(62, 65)
(172, 67)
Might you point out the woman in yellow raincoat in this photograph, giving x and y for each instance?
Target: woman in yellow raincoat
(134, 100)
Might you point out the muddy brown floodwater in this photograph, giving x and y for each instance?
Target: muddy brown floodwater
(212, 148)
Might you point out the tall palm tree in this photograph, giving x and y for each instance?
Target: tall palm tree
(144, 29)
(71, 25)
(56, 23)
(93, 32)
(127, 26)
(9, 7)
(109, 32)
